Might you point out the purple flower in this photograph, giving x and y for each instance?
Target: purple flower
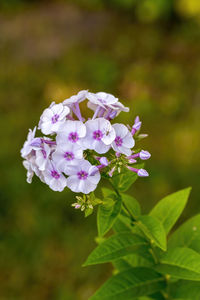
(54, 178)
(73, 103)
(82, 178)
(53, 117)
(123, 141)
(100, 134)
(105, 105)
(67, 154)
(27, 147)
(42, 156)
(81, 96)
(71, 132)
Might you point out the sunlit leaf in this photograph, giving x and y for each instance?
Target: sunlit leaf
(131, 283)
(183, 263)
(187, 235)
(168, 210)
(153, 230)
(116, 247)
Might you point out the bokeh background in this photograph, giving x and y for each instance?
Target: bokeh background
(146, 52)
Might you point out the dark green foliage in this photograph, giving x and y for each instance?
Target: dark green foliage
(144, 267)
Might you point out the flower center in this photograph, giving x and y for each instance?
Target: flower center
(118, 141)
(55, 174)
(55, 118)
(73, 137)
(69, 156)
(82, 175)
(97, 135)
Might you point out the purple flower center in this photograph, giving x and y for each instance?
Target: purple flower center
(82, 175)
(69, 156)
(73, 137)
(118, 141)
(97, 135)
(55, 118)
(55, 174)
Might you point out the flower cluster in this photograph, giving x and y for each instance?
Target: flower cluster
(77, 151)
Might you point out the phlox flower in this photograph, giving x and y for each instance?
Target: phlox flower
(31, 167)
(123, 141)
(27, 147)
(71, 132)
(83, 178)
(67, 154)
(73, 103)
(42, 156)
(105, 105)
(102, 99)
(54, 178)
(53, 117)
(100, 134)
(76, 98)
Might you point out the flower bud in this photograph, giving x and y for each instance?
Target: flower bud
(144, 155)
(112, 171)
(142, 173)
(103, 160)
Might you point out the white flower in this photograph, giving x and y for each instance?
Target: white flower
(67, 154)
(120, 107)
(71, 132)
(42, 156)
(27, 147)
(53, 117)
(54, 178)
(102, 99)
(81, 96)
(82, 177)
(27, 164)
(31, 167)
(100, 134)
(123, 141)
(104, 104)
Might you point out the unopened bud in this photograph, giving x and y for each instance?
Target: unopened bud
(104, 161)
(112, 171)
(132, 161)
(144, 155)
(136, 126)
(77, 206)
(142, 173)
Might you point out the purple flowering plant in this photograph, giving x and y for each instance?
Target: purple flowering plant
(75, 152)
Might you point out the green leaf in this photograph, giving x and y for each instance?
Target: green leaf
(107, 192)
(185, 290)
(88, 211)
(144, 259)
(135, 282)
(187, 235)
(144, 298)
(153, 230)
(125, 179)
(107, 214)
(168, 210)
(132, 205)
(122, 224)
(115, 247)
(182, 263)
(120, 265)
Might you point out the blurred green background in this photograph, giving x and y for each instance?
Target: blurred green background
(146, 52)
